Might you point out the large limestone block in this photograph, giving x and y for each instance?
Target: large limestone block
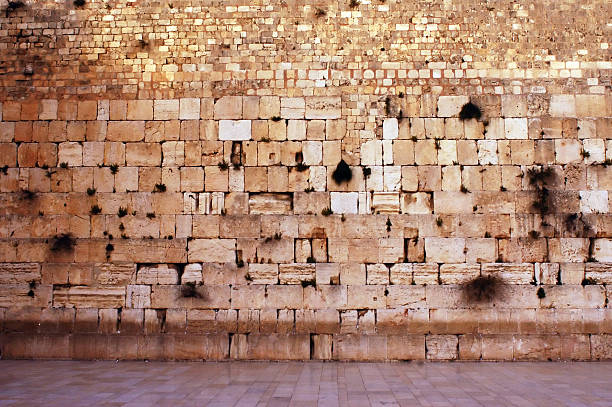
(278, 346)
(385, 202)
(602, 250)
(441, 347)
(284, 296)
(138, 296)
(458, 273)
(296, 273)
(568, 151)
(236, 130)
(594, 201)
(212, 250)
(263, 273)
(139, 110)
(366, 297)
(70, 153)
(327, 273)
(574, 296)
(157, 274)
(515, 128)
(166, 109)
(416, 203)
(19, 273)
(449, 106)
(189, 109)
(390, 129)
(143, 154)
(445, 250)
(324, 297)
(562, 106)
(89, 297)
(371, 152)
(270, 203)
(292, 108)
(172, 296)
(509, 272)
(405, 347)
(599, 272)
(344, 202)
(322, 107)
(116, 274)
(406, 296)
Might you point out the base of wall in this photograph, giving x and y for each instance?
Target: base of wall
(345, 347)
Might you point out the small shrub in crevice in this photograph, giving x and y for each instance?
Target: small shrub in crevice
(326, 211)
(78, 3)
(63, 243)
(95, 210)
(342, 173)
(223, 165)
(27, 195)
(367, 171)
(319, 12)
(541, 293)
(311, 259)
(189, 290)
(122, 212)
(354, 3)
(588, 281)
(482, 288)
(306, 283)
(540, 178)
(91, 191)
(150, 215)
(470, 111)
(301, 167)
(276, 118)
(159, 188)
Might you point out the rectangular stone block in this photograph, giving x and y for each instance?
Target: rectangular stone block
(235, 130)
(322, 107)
(212, 250)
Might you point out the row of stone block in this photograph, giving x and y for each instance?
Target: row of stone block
(266, 107)
(297, 296)
(374, 153)
(306, 347)
(393, 321)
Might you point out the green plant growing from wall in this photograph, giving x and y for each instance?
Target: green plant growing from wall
(63, 243)
(482, 288)
(342, 173)
(470, 111)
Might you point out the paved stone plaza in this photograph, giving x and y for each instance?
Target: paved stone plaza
(71, 383)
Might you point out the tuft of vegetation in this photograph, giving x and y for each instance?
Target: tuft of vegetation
(319, 12)
(326, 211)
(95, 210)
(159, 188)
(150, 215)
(12, 6)
(276, 118)
(63, 243)
(4, 170)
(64, 165)
(306, 283)
(588, 281)
(91, 191)
(585, 154)
(534, 234)
(354, 3)
(439, 221)
(265, 139)
(122, 212)
(541, 293)
(114, 168)
(482, 288)
(189, 290)
(27, 195)
(301, 167)
(311, 259)
(78, 3)
(223, 165)
(470, 111)
(240, 263)
(309, 189)
(539, 178)
(464, 189)
(342, 173)
(143, 44)
(367, 171)
(607, 161)
(343, 218)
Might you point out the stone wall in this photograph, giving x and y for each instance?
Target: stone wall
(173, 180)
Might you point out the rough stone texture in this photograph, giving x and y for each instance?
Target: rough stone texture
(187, 185)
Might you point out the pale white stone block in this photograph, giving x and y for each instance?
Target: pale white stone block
(449, 106)
(387, 152)
(594, 201)
(444, 250)
(562, 106)
(392, 178)
(375, 181)
(189, 109)
(515, 128)
(371, 153)
(602, 250)
(236, 179)
(312, 152)
(192, 273)
(166, 109)
(596, 150)
(447, 154)
(487, 152)
(568, 151)
(416, 203)
(70, 153)
(234, 130)
(385, 202)
(48, 109)
(365, 203)
(296, 130)
(390, 129)
(103, 110)
(344, 202)
(318, 178)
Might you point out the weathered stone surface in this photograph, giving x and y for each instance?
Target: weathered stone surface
(89, 297)
(158, 274)
(270, 204)
(263, 273)
(296, 273)
(212, 250)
